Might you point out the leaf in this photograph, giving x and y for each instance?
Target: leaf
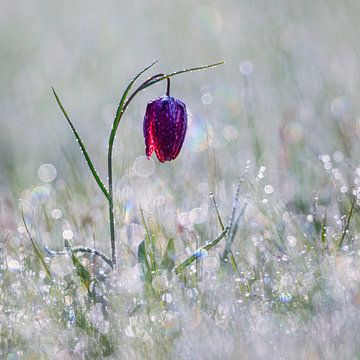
(323, 230)
(83, 148)
(168, 260)
(142, 258)
(36, 249)
(346, 228)
(152, 82)
(84, 274)
(198, 253)
(149, 245)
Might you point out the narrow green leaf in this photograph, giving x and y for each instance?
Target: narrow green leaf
(152, 82)
(83, 148)
(198, 252)
(84, 274)
(168, 260)
(346, 228)
(323, 230)
(36, 249)
(149, 246)
(141, 255)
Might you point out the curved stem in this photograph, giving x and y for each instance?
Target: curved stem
(82, 249)
(110, 169)
(124, 103)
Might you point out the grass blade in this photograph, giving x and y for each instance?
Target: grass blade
(36, 249)
(148, 245)
(168, 260)
(83, 148)
(346, 228)
(199, 252)
(150, 83)
(84, 274)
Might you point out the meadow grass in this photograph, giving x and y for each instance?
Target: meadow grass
(244, 273)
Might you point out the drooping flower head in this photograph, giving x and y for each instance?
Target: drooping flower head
(165, 125)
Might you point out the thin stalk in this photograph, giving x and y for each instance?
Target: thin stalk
(198, 253)
(123, 104)
(82, 249)
(346, 228)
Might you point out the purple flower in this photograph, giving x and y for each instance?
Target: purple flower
(165, 124)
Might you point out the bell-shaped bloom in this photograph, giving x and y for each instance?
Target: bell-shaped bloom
(165, 124)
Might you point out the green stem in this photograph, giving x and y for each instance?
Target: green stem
(346, 228)
(122, 107)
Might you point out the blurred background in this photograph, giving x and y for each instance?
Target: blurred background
(287, 94)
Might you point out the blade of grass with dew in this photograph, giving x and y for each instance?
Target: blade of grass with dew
(36, 249)
(323, 230)
(346, 228)
(229, 239)
(83, 148)
(141, 256)
(199, 252)
(149, 246)
(82, 249)
(180, 72)
(232, 259)
(168, 260)
(83, 274)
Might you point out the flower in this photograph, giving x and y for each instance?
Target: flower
(165, 124)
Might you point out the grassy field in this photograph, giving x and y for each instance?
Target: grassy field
(244, 247)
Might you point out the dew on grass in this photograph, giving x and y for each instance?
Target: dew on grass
(167, 298)
(192, 293)
(160, 283)
(286, 217)
(56, 214)
(128, 281)
(143, 167)
(291, 240)
(67, 234)
(13, 265)
(285, 297)
(325, 158)
(47, 173)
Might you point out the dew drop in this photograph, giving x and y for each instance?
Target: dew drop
(143, 167)
(67, 234)
(47, 173)
(268, 189)
(56, 214)
(160, 283)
